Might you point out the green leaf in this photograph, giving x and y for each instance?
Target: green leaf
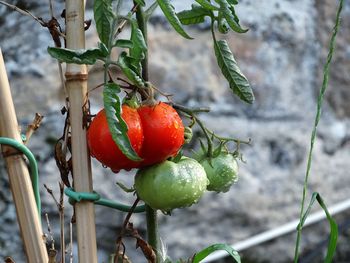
(229, 68)
(139, 48)
(126, 65)
(104, 17)
(229, 14)
(150, 10)
(218, 150)
(103, 49)
(232, 2)
(124, 43)
(125, 188)
(203, 147)
(170, 14)
(116, 124)
(332, 244)
(207, 5)
(194, 16)
(140, 2)
(223, 26)
(81, 56)
(207, 251)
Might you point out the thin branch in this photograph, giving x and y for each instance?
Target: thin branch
(52, 240)
(166, 95)
(71, 241)
(52, 195)
(60, 207)
(33, 126)
(123, 23)
(125, 224)
(61, 212)
(9, 260)
(188, 110)
(51, 8)
(23, 12)
(227, 139)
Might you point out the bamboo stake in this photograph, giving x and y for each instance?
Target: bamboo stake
(76, 84)
(20, 183)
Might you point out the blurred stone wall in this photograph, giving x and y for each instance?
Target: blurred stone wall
(282, 55)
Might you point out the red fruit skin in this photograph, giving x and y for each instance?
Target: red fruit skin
(163, 132)
(101, 143)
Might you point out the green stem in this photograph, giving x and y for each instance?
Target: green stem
(152, 230)
(143, 27)
(151, 215)
(317, 119)
(210, 142)
(192, 112)
(237, 141)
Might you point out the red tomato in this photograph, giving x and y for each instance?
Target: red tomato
(163, 133)
(155, 132)
(101, 143)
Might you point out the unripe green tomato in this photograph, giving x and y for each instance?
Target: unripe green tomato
(169, 185)
(222, 172)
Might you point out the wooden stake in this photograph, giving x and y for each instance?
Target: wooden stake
(21, 187)
(76, 84)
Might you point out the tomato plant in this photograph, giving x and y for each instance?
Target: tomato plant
(155, 132)
(146, 136)
(169, 185)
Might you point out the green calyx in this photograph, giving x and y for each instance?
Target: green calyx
(132, 102)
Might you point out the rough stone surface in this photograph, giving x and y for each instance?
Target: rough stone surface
(282, 55)
(338, 96)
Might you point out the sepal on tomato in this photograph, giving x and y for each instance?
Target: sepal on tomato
(188, 134)
(132, 102)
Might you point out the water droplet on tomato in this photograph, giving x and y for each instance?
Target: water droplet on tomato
(176, 125)
(115, 170)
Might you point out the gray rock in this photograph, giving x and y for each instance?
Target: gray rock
(338, 94)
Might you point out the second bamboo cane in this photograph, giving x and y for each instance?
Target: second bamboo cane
(76, 85)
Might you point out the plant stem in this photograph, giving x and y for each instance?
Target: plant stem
(151, 215)
(192, 112)
(210, 142)
(152, 230)
(227, 139)
(142, 23)
(317, 119)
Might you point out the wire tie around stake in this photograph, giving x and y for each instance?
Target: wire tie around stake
(98, 200)
(76, 76)
(33, 165)
(11, 152)
(80, 196)
(14, 151)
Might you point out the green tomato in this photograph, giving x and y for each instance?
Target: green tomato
(169, 185)
(222, 172)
